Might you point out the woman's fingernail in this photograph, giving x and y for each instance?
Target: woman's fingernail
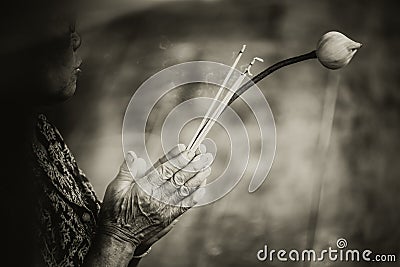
(210, 158)
(202, 149)
(130, 156)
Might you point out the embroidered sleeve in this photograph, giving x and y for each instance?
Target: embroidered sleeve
(67, 205)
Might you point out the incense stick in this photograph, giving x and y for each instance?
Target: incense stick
(210, 121)
(205, 118)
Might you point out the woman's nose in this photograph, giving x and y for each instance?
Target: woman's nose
(75, 40)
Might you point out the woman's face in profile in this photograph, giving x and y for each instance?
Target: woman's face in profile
(39, 55)
(58, 61)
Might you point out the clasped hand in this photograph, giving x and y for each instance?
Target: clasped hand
(140, 205)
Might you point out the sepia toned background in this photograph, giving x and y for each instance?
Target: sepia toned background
(125, 42)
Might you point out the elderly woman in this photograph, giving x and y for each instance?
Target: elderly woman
(52, 214)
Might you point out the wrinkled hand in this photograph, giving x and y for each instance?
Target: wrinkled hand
(140, 206)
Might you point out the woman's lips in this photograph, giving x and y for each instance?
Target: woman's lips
(77, 68)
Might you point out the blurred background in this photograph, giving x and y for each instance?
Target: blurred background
(125, 42)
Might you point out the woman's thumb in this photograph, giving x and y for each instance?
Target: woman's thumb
(128, 162)
(137, 167)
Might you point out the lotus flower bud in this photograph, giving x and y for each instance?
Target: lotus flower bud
(335, 50)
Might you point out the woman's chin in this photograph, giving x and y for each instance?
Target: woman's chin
(67, 89)
(66, 92)
(57, 94)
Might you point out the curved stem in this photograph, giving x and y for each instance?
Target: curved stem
(264, 74)
(270, 70)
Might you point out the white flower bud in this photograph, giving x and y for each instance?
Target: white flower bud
(335, 50)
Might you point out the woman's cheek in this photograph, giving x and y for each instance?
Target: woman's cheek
(61, 83)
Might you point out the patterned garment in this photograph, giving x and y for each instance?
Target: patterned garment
(67, 206)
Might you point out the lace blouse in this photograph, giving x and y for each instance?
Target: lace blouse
(67, 206)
